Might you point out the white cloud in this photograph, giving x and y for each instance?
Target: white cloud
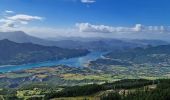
(88, 1)
(22, 17)
(87, 27)
(9, 11)
(7, 23)
(10, 21)
(138, 28)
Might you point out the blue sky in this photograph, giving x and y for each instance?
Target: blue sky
(91, 16)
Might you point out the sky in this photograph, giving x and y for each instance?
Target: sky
(87, 18)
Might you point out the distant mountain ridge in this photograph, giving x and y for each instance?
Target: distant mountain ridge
(82, 43)
(23, 53)
(22, 37)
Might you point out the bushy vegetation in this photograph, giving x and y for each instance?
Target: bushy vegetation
(76, 91)
(94, 88)
(162, 92)
(135, 89)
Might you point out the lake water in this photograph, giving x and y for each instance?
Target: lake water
(72, 62)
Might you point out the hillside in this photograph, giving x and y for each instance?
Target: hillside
(23, 53)
(151, 55)
(129, 89)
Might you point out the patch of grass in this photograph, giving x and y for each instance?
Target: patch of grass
(102, 77)
(42, 76)
(15, 75)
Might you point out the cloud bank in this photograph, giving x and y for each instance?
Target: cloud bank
(138, 28)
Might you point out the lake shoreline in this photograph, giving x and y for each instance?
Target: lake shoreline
(72, 62)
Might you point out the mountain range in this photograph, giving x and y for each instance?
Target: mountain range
(22, 53)
(80, 43)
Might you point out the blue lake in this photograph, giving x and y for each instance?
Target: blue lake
(72, 62)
